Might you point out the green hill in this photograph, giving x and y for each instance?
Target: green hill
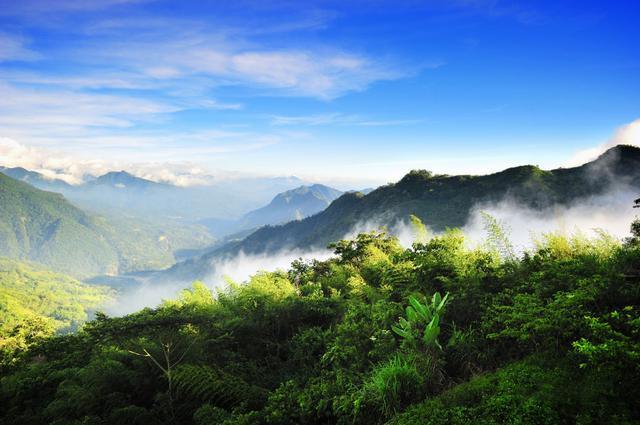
(440, 201)
(435, 334)
(28, 290)
(44, 227)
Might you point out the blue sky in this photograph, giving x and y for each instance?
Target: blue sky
(344, 92)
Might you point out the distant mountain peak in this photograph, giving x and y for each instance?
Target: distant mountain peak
(122, 174)
(122, 179)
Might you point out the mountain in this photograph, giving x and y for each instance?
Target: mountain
(44, 227)
(291, 205)
(124, 180)
(119, 192)
(294, 204)
(36, 179)
(440, 201)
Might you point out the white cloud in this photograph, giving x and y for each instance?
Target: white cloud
(628, 134)
(30, 107)
(74, 167)
(308, 73)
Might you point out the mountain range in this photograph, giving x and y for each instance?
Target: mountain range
(45, 227)
(118, 223)
(120, 192)
(440, 201)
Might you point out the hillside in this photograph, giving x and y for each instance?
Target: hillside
(440, 201)
(44, 227)
(35, 303)
(29, 290)
(435, 334)
(291, 205)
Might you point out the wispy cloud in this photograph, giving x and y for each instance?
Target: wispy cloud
(521, 12)
(14, 48)
(31, 108)
(316, 72)
(337, 119)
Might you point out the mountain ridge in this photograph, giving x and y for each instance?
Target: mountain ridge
(440, 201)
(44, 227)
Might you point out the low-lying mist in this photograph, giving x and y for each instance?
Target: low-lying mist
(238, 268)
(611, 213)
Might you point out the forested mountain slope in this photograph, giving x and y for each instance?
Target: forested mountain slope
(44, 227)
(28, 290)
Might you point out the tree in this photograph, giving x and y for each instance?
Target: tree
(167, 363)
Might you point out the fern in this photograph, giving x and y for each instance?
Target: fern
(208, 385)
(214, 386)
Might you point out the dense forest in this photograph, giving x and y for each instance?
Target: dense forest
(439, 333)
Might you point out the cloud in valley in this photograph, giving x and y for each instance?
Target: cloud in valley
(238, 268)
(611, 213)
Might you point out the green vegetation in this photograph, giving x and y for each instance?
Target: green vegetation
(43, 227)
(367, 337)
(35, 303)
